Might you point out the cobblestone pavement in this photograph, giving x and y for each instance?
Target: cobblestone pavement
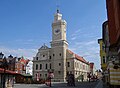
(61, 85)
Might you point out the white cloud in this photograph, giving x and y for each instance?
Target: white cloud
(27, 53)
(73, 38)
(90, 51)
(84, 43)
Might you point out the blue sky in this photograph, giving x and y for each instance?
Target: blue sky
(25, 25)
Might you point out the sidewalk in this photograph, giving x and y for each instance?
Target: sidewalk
(100, 84)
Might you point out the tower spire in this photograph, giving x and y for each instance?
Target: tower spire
(58, 11)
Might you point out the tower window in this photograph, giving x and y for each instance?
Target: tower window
(59, 64)
(59, 72)
(40, 75)
(60, 54)
(68, 64)
(50, 57)
(53, 54)
(43, 55)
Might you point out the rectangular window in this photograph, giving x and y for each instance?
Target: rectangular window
(50, 57)
(76, 72)
(36, 58)
(40, 66)
(83, 67)
(59, 72)
(36, 66)
(50, 65)
(77, 65)
(60, 54)
(36, 75)
(103, 47)
(46, 75)
(43, 55)
(103, 59)
(53, 54)
(46, 66)
(68, 64)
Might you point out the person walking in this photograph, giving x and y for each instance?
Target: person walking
(89, 76)
(73, 79)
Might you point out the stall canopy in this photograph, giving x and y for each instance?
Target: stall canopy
(8, 72)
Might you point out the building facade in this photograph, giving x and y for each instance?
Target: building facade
(20, 65)
(102, 54)
(58, 59)
(92, 69)
(111, 42)
(113, 66)
(29, 67)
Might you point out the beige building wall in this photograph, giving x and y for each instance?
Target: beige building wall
(78, 68)
(57, 57)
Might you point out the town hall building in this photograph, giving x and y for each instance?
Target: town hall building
(58, 59)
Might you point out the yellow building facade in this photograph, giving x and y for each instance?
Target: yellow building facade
(102, 55)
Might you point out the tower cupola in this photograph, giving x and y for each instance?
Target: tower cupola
(57, 16)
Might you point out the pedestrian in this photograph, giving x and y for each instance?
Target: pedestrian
(73, 79)
(69, 80)
(67, 76)
(82, 78)
(89, 76)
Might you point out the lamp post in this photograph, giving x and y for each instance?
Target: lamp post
(1, 55)
(4, 65)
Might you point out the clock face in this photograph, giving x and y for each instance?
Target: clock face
(56, 31)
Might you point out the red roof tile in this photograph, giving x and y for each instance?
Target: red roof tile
(77, 56)
(24, 61)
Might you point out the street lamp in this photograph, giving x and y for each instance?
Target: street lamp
(4, 65)
(1, 55)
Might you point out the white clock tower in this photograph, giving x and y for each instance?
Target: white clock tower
(58, 28)
(59, 46)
